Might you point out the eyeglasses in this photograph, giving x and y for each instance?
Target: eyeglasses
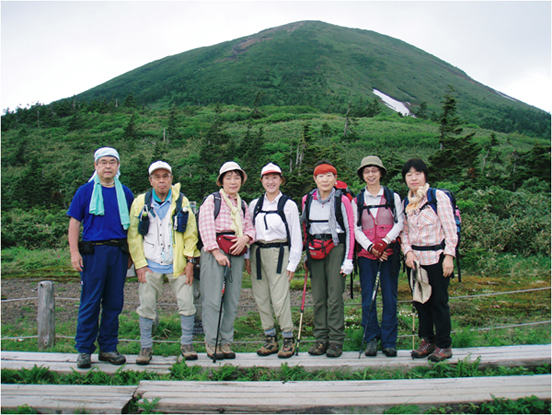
(371, 171)
(108, 162)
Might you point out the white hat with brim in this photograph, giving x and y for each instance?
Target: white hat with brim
(159, 165)
(271, 168)
(230, 166)
(419, 281)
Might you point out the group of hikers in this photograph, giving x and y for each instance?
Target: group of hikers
(158, 233)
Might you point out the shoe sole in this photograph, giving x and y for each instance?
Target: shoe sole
(85, 366)
(143, 363)
(193, 357)
(230, 356)
(370, 354)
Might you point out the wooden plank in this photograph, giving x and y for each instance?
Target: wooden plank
(339, 396)
(67, 398)
(524, 355)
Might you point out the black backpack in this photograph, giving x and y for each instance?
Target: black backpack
(389, 199)
(337, 203)
(280, 211)
(179, 217)
(432, 201)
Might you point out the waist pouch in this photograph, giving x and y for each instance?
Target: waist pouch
(319, 249)
(224, 242)
(88, 247)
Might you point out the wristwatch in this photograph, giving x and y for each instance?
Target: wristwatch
(192, 260)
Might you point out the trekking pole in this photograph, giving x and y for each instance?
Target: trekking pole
(302, 311)
(412, 275)
(220, 313)
(374, 292)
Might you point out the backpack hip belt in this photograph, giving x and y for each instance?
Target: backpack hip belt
(264, 245)
(430, 247)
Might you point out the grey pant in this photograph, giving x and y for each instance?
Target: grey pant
(212, 275)
(328, 286)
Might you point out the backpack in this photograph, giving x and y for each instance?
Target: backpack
(390, 204)
(337, 202)
(216, 212)
(179, 219)
(280, 211)
(341, 185)
(432, 201)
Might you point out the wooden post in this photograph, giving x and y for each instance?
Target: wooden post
(46, 315)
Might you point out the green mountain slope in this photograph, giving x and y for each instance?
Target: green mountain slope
(309, 63)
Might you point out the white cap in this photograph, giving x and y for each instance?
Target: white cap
(230, 166)
(271, 168)
(159, 165)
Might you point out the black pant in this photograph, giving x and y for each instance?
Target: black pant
(435, 313)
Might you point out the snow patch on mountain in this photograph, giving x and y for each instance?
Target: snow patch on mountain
(393, 103)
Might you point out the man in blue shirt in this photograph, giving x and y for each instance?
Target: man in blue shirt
(102, 206)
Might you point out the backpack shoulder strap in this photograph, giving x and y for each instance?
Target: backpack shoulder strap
(338, 213)
(360, 204)
(281, 203)
(431, 199)
(216, 196)
(308, 203)
(258, 207)
(390, 200)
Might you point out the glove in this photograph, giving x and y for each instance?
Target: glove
(347, 266)
(380, 246)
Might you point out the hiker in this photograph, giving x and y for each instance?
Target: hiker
(329, 229)
(163, 242)
(422, 237)
(378, 222)
(226, 233)
(102, 258)
(274, 259)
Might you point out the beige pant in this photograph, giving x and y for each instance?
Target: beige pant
(150, 291)
(271, 292)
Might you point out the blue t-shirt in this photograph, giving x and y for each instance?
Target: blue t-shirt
(99, 228)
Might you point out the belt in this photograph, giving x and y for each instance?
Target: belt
(111, 242)
(327, 237)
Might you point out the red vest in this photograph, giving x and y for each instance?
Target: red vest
(376, 229)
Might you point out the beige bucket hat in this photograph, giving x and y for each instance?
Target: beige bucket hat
(230, 166)
(419, 281)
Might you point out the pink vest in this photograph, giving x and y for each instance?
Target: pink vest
(376, 229)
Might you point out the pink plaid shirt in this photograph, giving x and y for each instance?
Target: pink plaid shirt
(209, 226)
(426, 228)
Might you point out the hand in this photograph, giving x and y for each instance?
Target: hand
(247, 266)
(76, 261)
(239, 244)
(448, 266)
(347, 267)
(189, 271)
(290, 275)
(141, 274)
(379, 247)
(222, 259)
(410, 258)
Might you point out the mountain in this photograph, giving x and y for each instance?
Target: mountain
(314, 64)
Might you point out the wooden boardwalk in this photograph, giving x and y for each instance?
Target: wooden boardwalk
(524, 355)
(279, 397)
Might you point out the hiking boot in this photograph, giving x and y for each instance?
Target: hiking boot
(83, 361)
(372, 347)
(188, 352)
(227, 351)
(211, 352)
(319, 348)
(114, 357)
(334, 350)
(390, 352)
(440, 354)
(288, 348)
(425, 349)
(270, 346)
(145, 356)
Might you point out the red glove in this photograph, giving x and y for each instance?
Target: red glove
(380, 246)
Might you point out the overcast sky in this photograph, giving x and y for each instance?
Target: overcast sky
(54, 50)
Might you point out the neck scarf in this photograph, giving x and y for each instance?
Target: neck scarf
(97, 205)
(414, 199)
(234, 213)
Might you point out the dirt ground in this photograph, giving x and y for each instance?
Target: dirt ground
(67, 294)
